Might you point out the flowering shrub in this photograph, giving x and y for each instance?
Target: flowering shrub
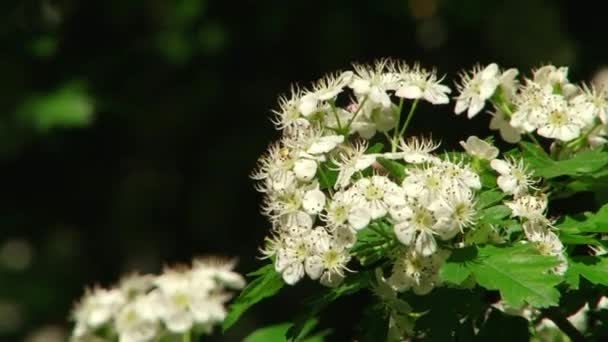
(183, 300)
(451, 244)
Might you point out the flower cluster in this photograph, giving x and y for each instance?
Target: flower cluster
(547, 104)
(323, 185)
(146, 307)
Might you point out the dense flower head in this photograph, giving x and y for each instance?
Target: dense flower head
(546, 104)
(326, 185)
(146, 307)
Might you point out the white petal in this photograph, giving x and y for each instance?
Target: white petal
(377, 209)
(360, 86)
(314, 267)
(426, 244)
(405, 233)
(313, 201)
(489, 72)
(325, 144)
(500, 166)
(476, 106)
(436, 97)
(359, 217)
(308, 104)
(488, 88)
(507, 183)
(179, 322)
(293, 273)
(461, 105)
(364, 162)
(409, 92)
(305, 169)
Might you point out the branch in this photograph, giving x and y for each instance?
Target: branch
(564, 325)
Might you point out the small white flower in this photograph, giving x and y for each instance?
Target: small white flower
(552, 79)
(351, 160)
(419, 83)
(417, 229)
(373, 118)
(530, 207)
(325, 89)
(475, 88)
(514, 177)
(454, 213)
(138, 320)
(290, 257)
(547, 243)
(415, 150)
(508, 133)
(378, 194)
(591, 104)
(561, 122)
(479, 148)
(328, 259)
(347, 208)
(417, 272)
(508, 83)
(373, 82)
(97, 307)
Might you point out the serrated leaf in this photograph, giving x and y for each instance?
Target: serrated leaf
(594, 269)
(489, 197)
(519, 273)
(495, 214)
(373, 242)
(592, 223)
(394, 168)
(582, 163)
(267, 284)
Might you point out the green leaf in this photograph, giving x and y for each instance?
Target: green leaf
(66, 107)
(519, 273)
(594, 269)
(489, 197)
(266, 284)
(373, 242)
(327, 175)
(494, 214)
(376, 148)
(454, 270)
(276, 333)
(582, 163)
(592, 223)
(394, 168)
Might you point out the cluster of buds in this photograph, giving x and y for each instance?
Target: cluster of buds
(182, 300)
(323, 185)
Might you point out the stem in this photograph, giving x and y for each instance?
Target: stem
(534, 140)
(355, 114)
(409, 117)
(186, 336)
(564, 325)
(325, 179)
(396, 130)
(333, 110)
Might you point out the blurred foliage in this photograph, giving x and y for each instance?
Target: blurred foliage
(129, 128)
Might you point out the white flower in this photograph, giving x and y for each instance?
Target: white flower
(327, 259)
(373, 82)
(418, 83)
(417, 228)
(561, 122)
(507, 132)
(97, 307)
(530, 107)
(415, 150)
(554, 79)
(417, 272)
(347, 208)
(454, 213)
(325, 89)
(508, 83)
(218, 270)
(514, 177)
(351, 160)
(372, 118)
(290, 256)
(378, 194)
(294, 207)
(138, 320)
(591, 104)
(547, 243)
(288, 115)
(530, 207)
(479, 148)
(475, 88)
(275, 168)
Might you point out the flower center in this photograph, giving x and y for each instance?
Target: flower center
(558, 118)
(373, 192)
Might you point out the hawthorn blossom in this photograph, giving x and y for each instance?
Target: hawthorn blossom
(475, 88)
(514, 179)
(479, 148)
(419, 83)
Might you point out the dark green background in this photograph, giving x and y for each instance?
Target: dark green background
(128, 129)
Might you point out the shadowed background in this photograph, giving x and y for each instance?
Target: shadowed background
(129, 129)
